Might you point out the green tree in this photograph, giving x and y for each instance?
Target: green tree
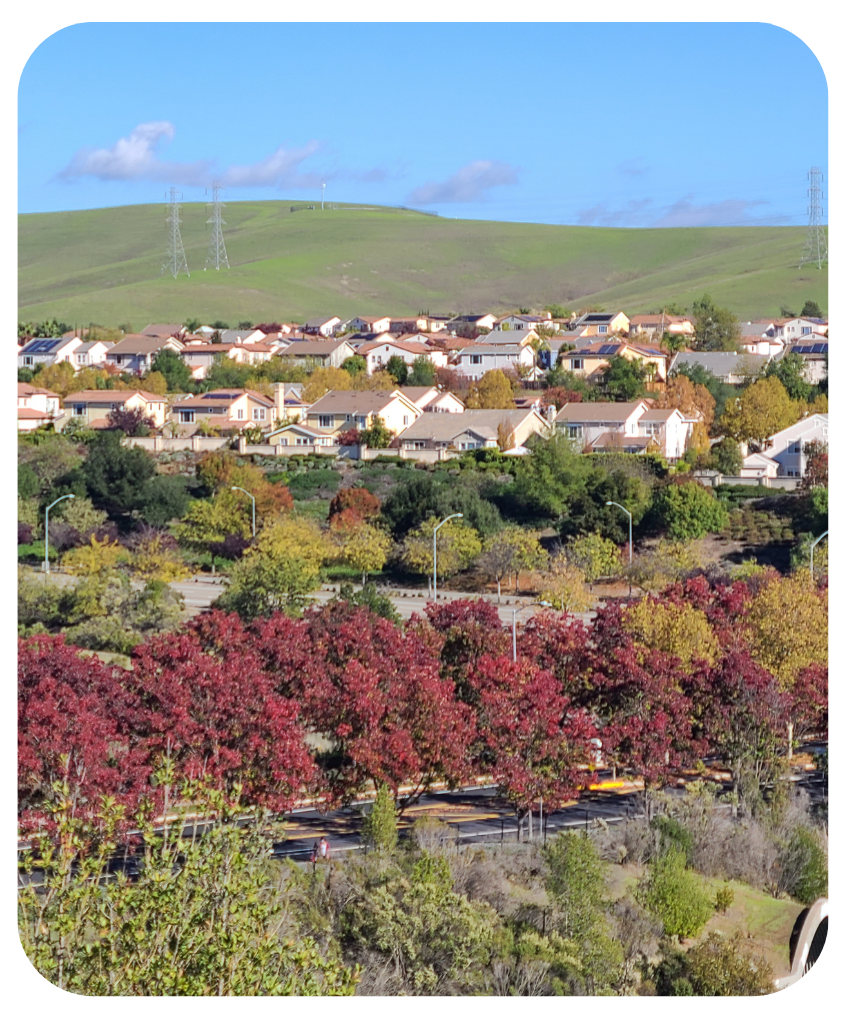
(720, 391)
(422, 372)
(726, 457)
(510, 551)
(377, 436)
(595, 555)
(201, 918)
(790, 371)
(548, 479)
(425, 494)
(557, 310)
(398, 369)
(355, 364)
(674, 895)
(718, 967)
(379, 828)
(494, 391)
(164, 499)
(624, 380)
(760, 411)
(810, 309)
(192, 324)
(803, 865)
(575, 883)
(688, 511)
(115, 474)
(458, 546)
(211, 521)
(716, 328)
(176, 372)
(362, 546)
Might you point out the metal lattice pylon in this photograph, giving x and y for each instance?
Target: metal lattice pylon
(176, 261)
(816, 241)
(217, 248)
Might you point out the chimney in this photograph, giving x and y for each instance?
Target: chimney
(551, 411)
(279, 400)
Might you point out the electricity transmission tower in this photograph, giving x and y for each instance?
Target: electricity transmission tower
(816, 243)
(217, 248)
(176, 261)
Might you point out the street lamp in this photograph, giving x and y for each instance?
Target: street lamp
(435, 552)
(514, 613)
(47, 531)
(822, 535)
(252, 499)
(626, 511)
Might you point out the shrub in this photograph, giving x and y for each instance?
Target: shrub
(688, 511)
(379, 830)
(723, 899)
(674, 895)
(672, 834)
(804, 866)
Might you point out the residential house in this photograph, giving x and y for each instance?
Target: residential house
(729, 367)
(164, 331)
(815, 357)
(228, 408)
(761, 338)
(601, 323)
(587, 424)
(322, 326)
(787, 448)
(91, 407)
(519, 337)
(436, 323)
(241, 336)
(402, 326)
(758, 465)
(201, 356)
(320, 352)
(300, 435)
(465, 322)
(340, 411)
(473, 429)
(91, 355)
(524, 323)
(46, 352)
(432, 400)
(135, 353)
(378, 353)
(587, 361)
(791, 329)
(669, 429)
(657, 324)
(477, 358)
(36, 407)
(370, 323)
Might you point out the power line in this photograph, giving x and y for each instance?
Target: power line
(176, 261)
(217, 248)
(816, 242)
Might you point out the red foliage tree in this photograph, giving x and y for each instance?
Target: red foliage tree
(354, 505)
(129, 421)
(210, 706)
(75, 725)
(467, 629)
(557, 396)
(351, 436)
(374, 689)
(809, 702)
(560, 643)
(532, 741)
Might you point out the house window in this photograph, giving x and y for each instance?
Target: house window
(186, 416)
(361, 422)
(348, 418)
(576, 364)
(805, 330)
(259, 413)
(27, 361)
(78, 409)
(475, 358)
(405, 420)
(602, 329)
(325, 420)
(240, 414)
(574, 431)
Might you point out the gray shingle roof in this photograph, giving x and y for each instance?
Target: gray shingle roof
(445, 427)
(723, 364)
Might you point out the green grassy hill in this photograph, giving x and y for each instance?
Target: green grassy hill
(103, 265)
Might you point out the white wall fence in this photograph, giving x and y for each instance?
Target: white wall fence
(196, 443)
(782, 483)
(200, 443)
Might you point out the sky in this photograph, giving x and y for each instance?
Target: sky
(633, 125)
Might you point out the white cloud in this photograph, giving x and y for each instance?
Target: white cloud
(684, 212)
(469, 184)
(280, 169)
(136, 158)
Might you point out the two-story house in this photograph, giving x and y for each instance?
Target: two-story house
(731, 368)
(814, 354)
(465, 322)
(322, 353)
(377, 353)
(46, 352)
(477, 358)
(228, 408)
(524, 323)
(135, 353)
(601, 323)
(369, 323)
(432, 400)
(589, 360)
(92, 407)
(340, 411)
(201, 356)
(36, 407)
(323, 326)
(91, 354)
(783, 454)
(591, 425)
(655, 325)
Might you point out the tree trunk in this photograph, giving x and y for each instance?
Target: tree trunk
(499, 590)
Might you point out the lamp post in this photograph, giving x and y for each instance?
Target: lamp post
(252, 499)
(626, 511)
(514, 613)
(47, 531)
(822, 535)
(435, 553)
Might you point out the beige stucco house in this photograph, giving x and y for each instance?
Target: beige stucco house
(91, 407)
(340, 411)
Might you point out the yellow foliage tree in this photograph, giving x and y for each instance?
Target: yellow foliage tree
(87, 378)
(362, 546)
(59, 378)
(494, 391)
(698, 440)
(788, 626)
(458, 545)
(156, 559)
(95, 558)
(563, 585)
(155, 382)
(678, 629)
(760, 411)
(323, 380)
(294, 538)
(212, 521)
(689, 397)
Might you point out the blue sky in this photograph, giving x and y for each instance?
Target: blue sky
(593, 124)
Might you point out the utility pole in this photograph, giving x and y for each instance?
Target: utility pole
(816, 242)
(322, 193)
(217, 248)
(176, 261)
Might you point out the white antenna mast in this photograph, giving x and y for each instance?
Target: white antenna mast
(322, 193)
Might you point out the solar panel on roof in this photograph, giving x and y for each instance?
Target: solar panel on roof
(44, 345)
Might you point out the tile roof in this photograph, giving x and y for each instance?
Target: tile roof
(25, 389)
(306, 348)
(137, 343)
(162, 330)
(445, 427)
(111, 396)
(349, 401)
(27, 413)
